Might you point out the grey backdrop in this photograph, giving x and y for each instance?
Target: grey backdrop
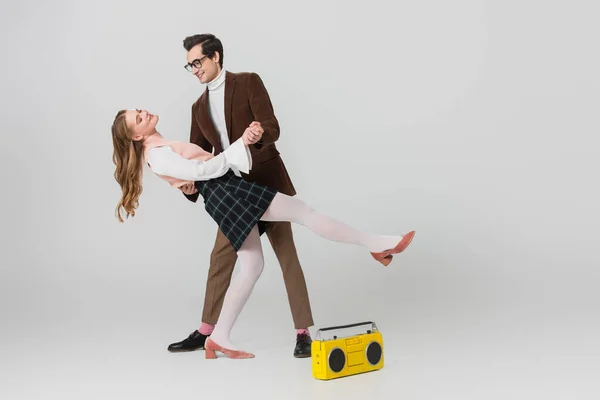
(472, 122)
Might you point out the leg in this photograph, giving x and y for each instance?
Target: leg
(282, 240)
(251, 265)
(222, 263)
(286, 208)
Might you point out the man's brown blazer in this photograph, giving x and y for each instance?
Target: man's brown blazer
(246, 100)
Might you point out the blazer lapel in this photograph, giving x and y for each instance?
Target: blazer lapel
(229, 88)
(206, 125)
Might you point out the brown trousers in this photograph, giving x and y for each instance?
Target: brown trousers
(222, 263)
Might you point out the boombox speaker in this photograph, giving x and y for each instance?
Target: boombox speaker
(339, 356)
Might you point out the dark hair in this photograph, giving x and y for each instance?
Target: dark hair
(210, 45)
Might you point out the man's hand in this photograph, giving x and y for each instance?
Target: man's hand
(188, 189)
(253, 133)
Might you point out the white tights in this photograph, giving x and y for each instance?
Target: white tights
(250, 255)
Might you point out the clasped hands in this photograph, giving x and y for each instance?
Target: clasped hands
(251, 135)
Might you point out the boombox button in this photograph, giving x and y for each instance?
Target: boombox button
(355, 358)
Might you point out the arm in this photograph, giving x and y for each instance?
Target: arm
(262, 108)
(164, 161)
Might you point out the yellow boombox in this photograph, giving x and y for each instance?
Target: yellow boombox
(347, 355)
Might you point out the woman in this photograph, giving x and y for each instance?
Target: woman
(239, 207)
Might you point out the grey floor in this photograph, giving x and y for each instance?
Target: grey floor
(428, 355)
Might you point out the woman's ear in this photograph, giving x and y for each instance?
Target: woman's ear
(137, 138)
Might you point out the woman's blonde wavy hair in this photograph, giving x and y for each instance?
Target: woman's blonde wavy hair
(128, 157)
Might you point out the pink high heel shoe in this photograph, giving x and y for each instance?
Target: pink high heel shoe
(385, 257)
(211, 347)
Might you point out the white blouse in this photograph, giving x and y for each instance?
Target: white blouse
(164, 161)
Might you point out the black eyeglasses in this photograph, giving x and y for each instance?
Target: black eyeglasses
(196, 63)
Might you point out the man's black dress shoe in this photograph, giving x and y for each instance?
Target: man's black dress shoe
(193, 342)
(303, 343)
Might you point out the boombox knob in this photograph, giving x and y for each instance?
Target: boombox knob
(369, 331)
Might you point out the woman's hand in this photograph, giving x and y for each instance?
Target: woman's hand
(188, 188)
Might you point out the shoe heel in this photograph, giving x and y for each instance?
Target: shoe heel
(386, 260)
(210, 354)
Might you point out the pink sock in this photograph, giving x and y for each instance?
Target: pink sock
(301, 331)
(206, 329)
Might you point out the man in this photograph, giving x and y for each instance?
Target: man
(231, 104)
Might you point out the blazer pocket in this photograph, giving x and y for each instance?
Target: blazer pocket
(266, 153)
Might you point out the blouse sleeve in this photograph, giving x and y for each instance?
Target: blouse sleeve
(164, 161)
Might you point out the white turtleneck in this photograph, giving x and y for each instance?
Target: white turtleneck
(216, 106)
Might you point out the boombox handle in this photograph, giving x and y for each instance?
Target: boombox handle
(374, 328)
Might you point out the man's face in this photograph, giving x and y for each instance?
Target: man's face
(205, 68)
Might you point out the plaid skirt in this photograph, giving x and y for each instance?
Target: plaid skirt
(236, 205)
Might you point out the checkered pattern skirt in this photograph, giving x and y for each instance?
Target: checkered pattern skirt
(236, 205)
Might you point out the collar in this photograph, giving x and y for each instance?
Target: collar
(218, 81)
